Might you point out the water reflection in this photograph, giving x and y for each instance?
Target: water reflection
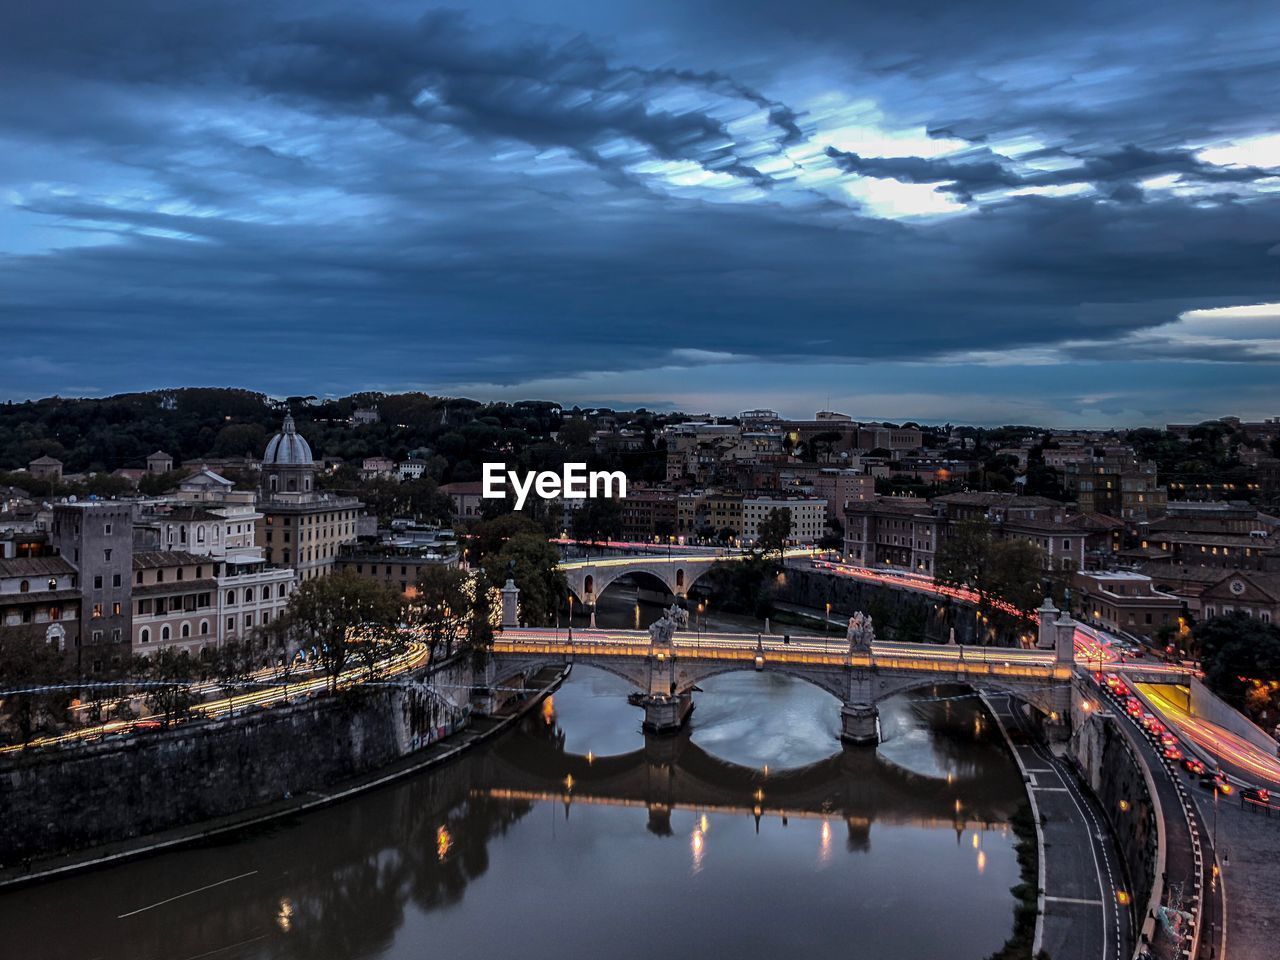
(577, 836)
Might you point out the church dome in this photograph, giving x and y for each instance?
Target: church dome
(288, 448)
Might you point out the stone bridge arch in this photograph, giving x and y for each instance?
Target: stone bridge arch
(834, 681)
(588, 580)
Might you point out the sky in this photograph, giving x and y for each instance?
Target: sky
(984, 212)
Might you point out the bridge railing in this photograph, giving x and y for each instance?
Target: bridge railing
(1028, 665)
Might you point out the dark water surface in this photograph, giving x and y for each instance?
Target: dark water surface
(753, 835)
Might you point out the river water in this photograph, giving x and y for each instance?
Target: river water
(751, 835)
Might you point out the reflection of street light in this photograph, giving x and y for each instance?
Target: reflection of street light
(826, 624)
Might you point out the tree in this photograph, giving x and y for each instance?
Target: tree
(442, 607)
(342, 615)
(1237, 652)
(31, 661)
(598, 519)
(574, 433)
(175, 672)
(536, 571)
(774, 531)
(232, 664)
(1008, 571)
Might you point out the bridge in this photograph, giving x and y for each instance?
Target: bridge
(589, 577)
(666, 667)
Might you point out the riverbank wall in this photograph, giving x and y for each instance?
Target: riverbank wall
(117, 794)
(901, 615)
(1110, 764)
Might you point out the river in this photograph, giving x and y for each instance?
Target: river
(750, 835)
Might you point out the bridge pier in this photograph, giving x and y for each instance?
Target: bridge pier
(665, 713)
(858, 724)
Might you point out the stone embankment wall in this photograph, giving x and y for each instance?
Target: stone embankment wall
(1117, 776)
(905, 615)
(83, 797)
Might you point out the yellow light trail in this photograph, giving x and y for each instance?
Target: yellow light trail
(414, 656)
(1215, 739)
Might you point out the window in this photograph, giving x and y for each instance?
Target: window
(280, 590)
(115, 609)
(106, 555)
(180, 573)
(248, 594)
(231, 597)
(145, 635)
(24, 586)
(115, 580)
(97, 612)
(186, 630)
(248, 619)
(165, 632)
(231, 624)
(97, 582)
(159, 576)
(204, 628)
(106, 529)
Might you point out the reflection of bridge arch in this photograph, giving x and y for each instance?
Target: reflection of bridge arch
(675, 772)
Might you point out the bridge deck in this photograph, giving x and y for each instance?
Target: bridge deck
(744, 648)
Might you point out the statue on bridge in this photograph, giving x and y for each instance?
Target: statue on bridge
(664, 628)
(861, 633)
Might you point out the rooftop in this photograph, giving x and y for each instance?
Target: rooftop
(35, 567)
(154, 559)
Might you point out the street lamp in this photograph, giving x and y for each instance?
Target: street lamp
(571, 618)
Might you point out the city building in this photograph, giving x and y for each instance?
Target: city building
(648, 514)
(159, 462)
(841, 487)
(395, 563)
(1243, 591)
(1123, 601)
(45, 468)
(96, 540)
(466, 497)
(40, 601)
(411, 469)
(301, 527)
(174, 602)
(808, 517)
(374, 468)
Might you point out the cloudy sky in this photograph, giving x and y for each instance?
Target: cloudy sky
(987, 211)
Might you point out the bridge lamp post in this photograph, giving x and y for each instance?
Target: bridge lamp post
(571, 618)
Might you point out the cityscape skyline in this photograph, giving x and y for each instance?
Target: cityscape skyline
(1012, 215)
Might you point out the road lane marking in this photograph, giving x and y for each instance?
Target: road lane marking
(1087, 903)
(161, 903)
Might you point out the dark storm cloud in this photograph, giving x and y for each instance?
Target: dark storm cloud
(985, 170)
(319, 196)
